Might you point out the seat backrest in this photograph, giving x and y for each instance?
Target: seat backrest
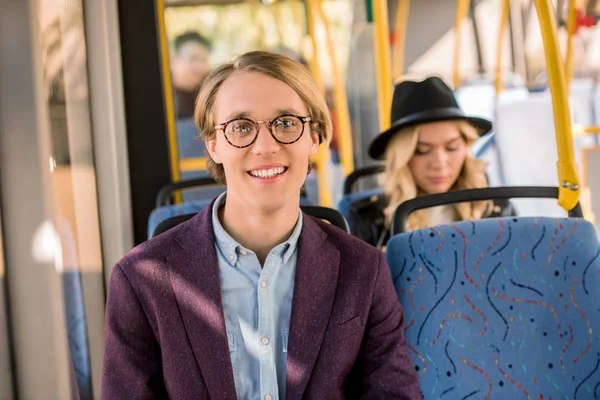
(466, 195)
(348, 208)
(358, 174)
(330, 215)
(163, 198)
(504, 308)
(161, 214)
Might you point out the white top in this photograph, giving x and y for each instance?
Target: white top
(441, 215)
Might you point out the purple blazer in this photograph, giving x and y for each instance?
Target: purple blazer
(165, 330)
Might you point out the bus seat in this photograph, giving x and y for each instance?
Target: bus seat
(330, 215)
(163, 213)
(349, 201)
(503, 308)
(160, 214)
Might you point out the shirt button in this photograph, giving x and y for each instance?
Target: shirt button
(264, 341)
(268, 397)
(243, 252)
(263, 284)
(232, 257)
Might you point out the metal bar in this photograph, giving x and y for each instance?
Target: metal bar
(569, 185)
(501, 29)
(340, 102)
(475, 25)
(382, 61)
(400, 38)
(461, 13)
(322, 157)
(570, 32)
(168, 93)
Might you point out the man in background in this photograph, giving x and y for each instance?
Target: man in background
(189, 67)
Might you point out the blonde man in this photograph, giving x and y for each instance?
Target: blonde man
(252, 299)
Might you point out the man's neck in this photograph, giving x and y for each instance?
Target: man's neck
(257, 230)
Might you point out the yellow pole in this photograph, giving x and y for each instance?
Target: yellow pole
(277, 16)
(569, 185)
(400, 37)
(315, 61)
(340, 102)
(168, 93)
(501, 29)
(322, 156)
(297, 11)
(461, 13)
(382, 62)
(571, 31)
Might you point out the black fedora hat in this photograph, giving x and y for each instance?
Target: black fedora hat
(418, 102)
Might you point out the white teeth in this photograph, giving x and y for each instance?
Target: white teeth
(267, 173)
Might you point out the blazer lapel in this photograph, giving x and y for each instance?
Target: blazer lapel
(317, 269)
(194, 273)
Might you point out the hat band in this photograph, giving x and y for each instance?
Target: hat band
(434, 114)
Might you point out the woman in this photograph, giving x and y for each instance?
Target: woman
(251, 298)
(427, 150)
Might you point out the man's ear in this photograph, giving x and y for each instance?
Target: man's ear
(211, 148)
(314, 142)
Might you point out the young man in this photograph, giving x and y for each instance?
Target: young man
(251, 299)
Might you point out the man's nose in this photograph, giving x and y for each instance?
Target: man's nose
(265, 143)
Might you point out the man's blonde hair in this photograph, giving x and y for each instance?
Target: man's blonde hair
(277, 66)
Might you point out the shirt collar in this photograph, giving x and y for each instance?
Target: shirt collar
(231, 249)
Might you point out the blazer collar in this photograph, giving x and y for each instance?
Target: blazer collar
(194, 274)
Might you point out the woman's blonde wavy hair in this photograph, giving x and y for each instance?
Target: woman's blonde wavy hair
(399, 184)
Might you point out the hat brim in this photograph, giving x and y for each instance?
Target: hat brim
(379, 144)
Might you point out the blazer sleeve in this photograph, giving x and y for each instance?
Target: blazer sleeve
(385, 369)
(132, 364)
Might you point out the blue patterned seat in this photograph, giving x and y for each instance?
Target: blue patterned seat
(503, 308)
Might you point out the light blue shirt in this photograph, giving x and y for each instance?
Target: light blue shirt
(257, 304)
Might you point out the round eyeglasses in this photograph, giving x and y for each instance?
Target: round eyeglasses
(242, 132)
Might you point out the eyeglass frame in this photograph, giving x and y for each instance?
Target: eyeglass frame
(257, 124)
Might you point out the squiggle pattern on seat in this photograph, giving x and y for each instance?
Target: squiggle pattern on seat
(516, 313)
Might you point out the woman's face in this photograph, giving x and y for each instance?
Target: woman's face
(439, 157)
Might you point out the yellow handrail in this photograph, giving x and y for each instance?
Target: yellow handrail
(592, 129)
(192, 164)
(340, 102)
(322, 156)
(501, 30)
(400, 38)
(570, 32)
(168, 95)
(569, 185)
(382, 62)
(461, 13)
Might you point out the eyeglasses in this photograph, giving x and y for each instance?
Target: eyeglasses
(242, 132)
